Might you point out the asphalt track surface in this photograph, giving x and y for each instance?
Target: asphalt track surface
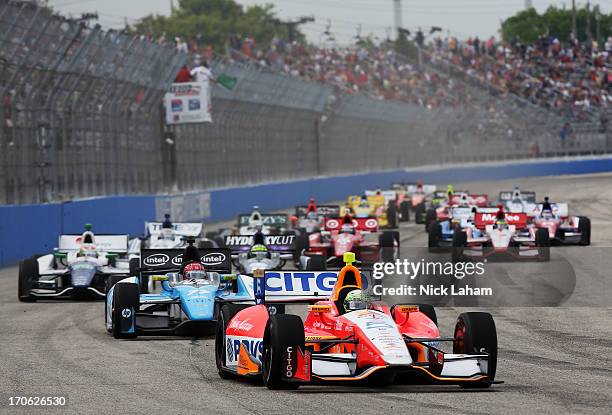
(552, 358)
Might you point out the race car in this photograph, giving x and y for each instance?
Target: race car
(347, 337)
(374, 203)
(444, 211)
(78, 269)
(502, 235)
(193, 285)
(311, 218)
(166, 235)
(427, 209)
(259, 251)
(562, 228)
(517, 201)
(348, 234)
(249, 223)
(440, 235)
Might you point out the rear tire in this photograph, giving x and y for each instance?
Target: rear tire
(459, 242)
(434, 236)
(302, 244)
(392, 214)
(28, 275)
(316, 263)
(475, 333)
(430, 217)
(542, 241)
(387, 246)
(584, 227)
(282, 331)
(420, 213)
(404, 211)
(227, 312)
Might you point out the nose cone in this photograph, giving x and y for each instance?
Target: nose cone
(198, 303)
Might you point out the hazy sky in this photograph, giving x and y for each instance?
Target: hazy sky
(460, 17)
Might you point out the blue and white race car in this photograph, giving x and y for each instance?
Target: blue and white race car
(194, 283)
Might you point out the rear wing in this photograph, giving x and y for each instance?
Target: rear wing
(519, 220)
(279, 220)
(427, 188)
(361, 224)
(388, 195)
(480, 200)
(558, 209)
(297, 286)
(527, 196)
(326, 211)
(192, 229)
(106, 243)
(154, 261)
(242, 243)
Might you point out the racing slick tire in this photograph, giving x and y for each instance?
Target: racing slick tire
(542, 241)
(584, 227)
(282, 331)
(135, 272)
(28, 274)
(404, 209)
(316, 263)
(459, 242)
(386, 242)
(434, 236)
(226, 313)
(392, 215)
(125, 297)
(475, 333)
(430, 217)
(419, 212)
(109, 282)
(302, 244)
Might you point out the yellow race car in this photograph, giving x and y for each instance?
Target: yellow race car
(372, 205)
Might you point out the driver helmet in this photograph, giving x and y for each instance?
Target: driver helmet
(355, 300)
(347, 228)
(259, 251)
(312, 215)
(194, 271)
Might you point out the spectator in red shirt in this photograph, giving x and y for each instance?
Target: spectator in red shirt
(183, 75)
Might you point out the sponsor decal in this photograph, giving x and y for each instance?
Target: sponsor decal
(177, 105)
(378, 325)
(126, 313)
(371, 223)
(213, 258)
(333, 224)
(237, 324)
(194, 105)
(297, 282)
(288, 365)
(246, 240)
(156, 260)
(252, 345)
(177, 260)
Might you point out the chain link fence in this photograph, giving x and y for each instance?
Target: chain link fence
(81, 117)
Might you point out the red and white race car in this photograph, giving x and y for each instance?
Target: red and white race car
(502, 234)
(562, 228)
(342, 341)
(349, 234)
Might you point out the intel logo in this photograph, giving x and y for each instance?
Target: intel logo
(156, 260)
(177, 260)
(213, 259)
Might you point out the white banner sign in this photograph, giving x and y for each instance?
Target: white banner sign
(188, 102)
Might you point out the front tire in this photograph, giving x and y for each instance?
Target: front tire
(542, 241)
(125, 304)
(475, 333)
(227, 312)
(392, 215)
(584, 227)
(434, 236)
(405, 211)
(282, 332)
(419, 212)
(28, 275)
(316, 263)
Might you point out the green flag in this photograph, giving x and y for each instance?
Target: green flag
(227, 81)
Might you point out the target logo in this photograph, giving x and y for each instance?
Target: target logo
(371, 223)
(333, 223)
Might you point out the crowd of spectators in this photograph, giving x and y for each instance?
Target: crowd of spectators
(571, 78)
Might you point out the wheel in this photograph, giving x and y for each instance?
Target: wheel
(135, 272)
(392, 214)
(302, 243)
(459, 242)
(109, 282)
(283, 331)
(430, 217)
(542, 241)
(387, 246)
(404, 211)
(28, 275)
(227, 312)
(475, 333)
(316, 263)
(125, 304)
(434, 236)
(420, 213)
(584, 227)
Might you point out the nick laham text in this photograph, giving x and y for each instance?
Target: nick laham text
(433, 290)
